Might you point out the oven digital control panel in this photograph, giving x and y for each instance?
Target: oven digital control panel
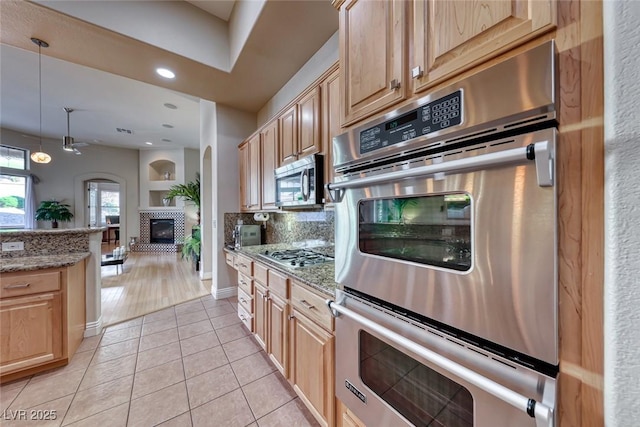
(434, 116)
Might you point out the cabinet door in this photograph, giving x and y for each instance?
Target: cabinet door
(260, 315)
(330, 123)
(312, 368)
(30, 331)
(269, 164)
(309, 141)
(288, 135)
(243, 156)
(452, 36)
(255, 173)
(372, 56)
(278, 341)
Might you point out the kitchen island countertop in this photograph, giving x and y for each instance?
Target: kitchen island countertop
(29, 263)
(320, 277)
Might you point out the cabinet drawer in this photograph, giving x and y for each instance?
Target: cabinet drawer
(246, 318)
(231, 259)
(246, 301)
(245, 283)
(260, 273)
(311, 305)
(26, 283)
(245, 266)
(278, 284)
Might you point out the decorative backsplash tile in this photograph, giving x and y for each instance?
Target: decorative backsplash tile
(286, 227)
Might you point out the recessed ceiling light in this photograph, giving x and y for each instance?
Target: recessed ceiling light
(170, 106)
(166, 73)
(149, 143)
(168, 126)
(166, 140)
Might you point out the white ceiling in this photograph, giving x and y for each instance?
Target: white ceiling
(104, 101)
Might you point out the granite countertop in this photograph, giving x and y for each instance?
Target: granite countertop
(44, 231)
(29, 263)
(320, 277)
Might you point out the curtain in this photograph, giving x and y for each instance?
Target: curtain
(29, 203)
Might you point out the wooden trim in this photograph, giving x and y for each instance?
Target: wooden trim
(337, 3)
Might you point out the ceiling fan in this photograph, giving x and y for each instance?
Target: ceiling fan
(68, 143)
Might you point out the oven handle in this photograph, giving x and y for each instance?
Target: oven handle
(541, 152)
(541, 412)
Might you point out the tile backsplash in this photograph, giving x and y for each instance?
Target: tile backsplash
(286, 227)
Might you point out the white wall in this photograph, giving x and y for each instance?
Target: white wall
(622, 216)
(320, 62)
(57, 177)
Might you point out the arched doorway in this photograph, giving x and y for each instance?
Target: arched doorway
(81, 213)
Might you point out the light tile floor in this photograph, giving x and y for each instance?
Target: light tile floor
(192, 364)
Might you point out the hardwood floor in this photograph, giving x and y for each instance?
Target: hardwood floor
(148, 282)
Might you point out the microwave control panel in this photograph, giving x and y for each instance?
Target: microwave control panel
(432, 117)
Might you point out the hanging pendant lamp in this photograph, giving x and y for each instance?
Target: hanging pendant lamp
(40, 156)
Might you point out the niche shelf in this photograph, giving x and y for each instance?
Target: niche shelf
(160, 170)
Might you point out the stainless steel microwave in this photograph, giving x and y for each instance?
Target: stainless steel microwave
(300, 184)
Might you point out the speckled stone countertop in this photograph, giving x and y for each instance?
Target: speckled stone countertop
(320, 277)
(28, 263)
(54, 231)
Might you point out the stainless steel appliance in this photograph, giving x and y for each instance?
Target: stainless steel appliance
(446, 253)
(296, 258)
(246, 235)
(299, 184)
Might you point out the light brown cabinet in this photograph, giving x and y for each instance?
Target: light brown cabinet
(250, 174)
(260, 314)
(330, 90)
(42, 319)
(269, 135)
(300, 128)
(278, 341)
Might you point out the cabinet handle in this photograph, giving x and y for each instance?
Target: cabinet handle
(242, 300)
(394, 84)
(244, 319)
(291, 317)
(307, 305)
(416, 72)
(23, 285)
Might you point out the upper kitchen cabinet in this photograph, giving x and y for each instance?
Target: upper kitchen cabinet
(330, 88)
(269, 163)
(300, 128)
(250, 174)
(452, 36)
(372, 56)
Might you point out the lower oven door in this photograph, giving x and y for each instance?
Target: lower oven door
(429, 379)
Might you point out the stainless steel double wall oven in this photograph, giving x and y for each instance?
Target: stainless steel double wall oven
(446, 254)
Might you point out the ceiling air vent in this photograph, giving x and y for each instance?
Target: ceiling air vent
(123, 130)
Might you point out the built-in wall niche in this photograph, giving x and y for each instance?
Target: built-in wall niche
(162, 170)
(157, 199)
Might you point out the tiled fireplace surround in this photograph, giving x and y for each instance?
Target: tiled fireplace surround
(144, 245)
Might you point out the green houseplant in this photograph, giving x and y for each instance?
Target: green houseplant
(190, 192)
(54, 211)
(191, 246)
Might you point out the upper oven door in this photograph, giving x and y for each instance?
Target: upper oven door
(472, 246)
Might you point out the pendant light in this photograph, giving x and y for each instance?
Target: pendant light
(40, 156)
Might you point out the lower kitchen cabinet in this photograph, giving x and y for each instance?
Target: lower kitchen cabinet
(312, 366)
(346, 418)
(278, 341)
(260, 314)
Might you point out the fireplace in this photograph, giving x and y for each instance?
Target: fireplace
(161, 230)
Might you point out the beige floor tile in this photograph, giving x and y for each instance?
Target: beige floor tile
(233, 332)
(159, 377)
(193, 329)
(45, 389)
(188, 307)
(191, 317)
(114, 417)
(253, 367)
(119, 335)
(182, 420)
(123, 325)
(226, 320)
(156, 340)
(100, 398)
(9, 391)
(159, 326)
(240, 348)
(230, 410)
(164, 314)
(293, 413)
(234, 302)
(80, 361)
(267, 394)
(48, 414)
(199, 343)
(89, 344)
(221, 310)
(158, 356)
(206, 360)
(115, 351)
(158, 407)
(209, 302)
(210, 385)
(108, 371)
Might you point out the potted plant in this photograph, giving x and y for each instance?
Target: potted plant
(191, 247)
(190, 192)
(54, 211)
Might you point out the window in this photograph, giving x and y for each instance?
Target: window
(13, 185)
(109, 204)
